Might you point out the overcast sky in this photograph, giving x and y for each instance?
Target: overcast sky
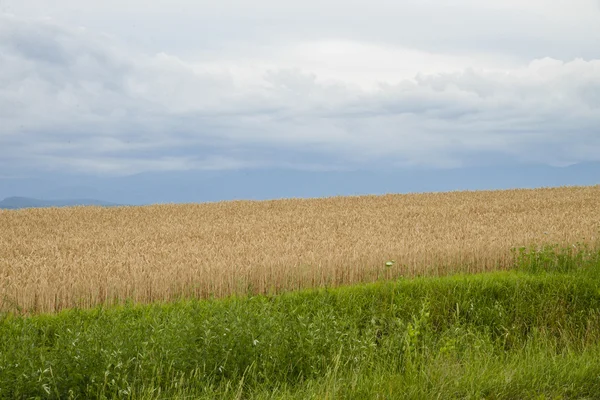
(128, 86)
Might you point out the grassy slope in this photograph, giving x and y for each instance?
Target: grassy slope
(500, 335)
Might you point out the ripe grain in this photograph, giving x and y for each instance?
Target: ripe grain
(57, 258)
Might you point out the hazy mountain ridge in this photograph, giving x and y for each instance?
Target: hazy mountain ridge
(273, 183)
(17, 202)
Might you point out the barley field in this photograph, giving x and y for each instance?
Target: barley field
(57, 258)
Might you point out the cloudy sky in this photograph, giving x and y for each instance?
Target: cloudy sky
(129, 86)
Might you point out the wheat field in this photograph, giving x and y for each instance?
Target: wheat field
(57, 258)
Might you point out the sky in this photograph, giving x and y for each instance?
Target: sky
(117, 88)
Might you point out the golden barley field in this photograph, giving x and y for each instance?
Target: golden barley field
(56, 258)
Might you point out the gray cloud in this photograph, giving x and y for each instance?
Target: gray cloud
(72, 99)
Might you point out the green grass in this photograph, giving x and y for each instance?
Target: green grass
(529, 333)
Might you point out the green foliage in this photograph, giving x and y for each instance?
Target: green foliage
(520, 334)
(553, 258)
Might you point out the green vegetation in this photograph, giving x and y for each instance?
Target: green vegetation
(529, 333)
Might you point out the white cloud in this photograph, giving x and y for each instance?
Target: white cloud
(562, 29)
(74, 99)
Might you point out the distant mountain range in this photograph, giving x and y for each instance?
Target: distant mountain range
(27, 202)
(274, 183)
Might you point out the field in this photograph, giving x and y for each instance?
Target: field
(59, 258)
(490, 295)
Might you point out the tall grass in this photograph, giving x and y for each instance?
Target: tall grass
(52, 259)
(502, 335)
